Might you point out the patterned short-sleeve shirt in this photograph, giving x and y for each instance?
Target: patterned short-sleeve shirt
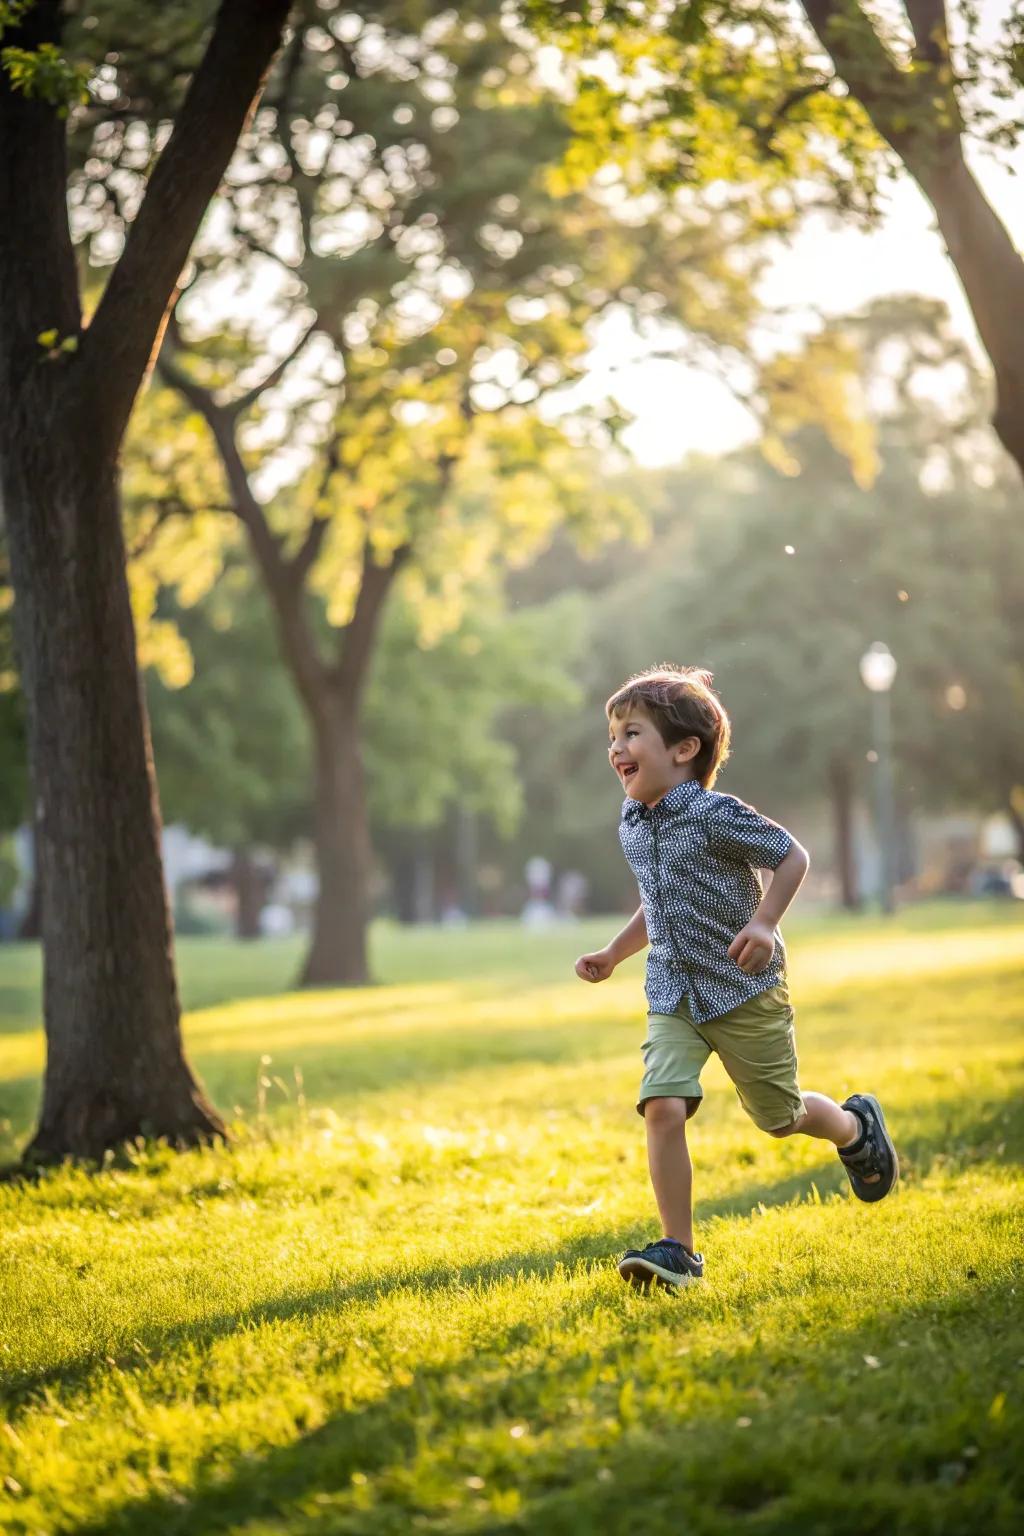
(695, 856)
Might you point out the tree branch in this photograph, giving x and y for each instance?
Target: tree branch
(304, 560)
(766, 133)
(246, 401)
(901, 103)
(931, 36)
(122, 339)
(38, 277)
(300, 182)
(298, 640)
(358, 636)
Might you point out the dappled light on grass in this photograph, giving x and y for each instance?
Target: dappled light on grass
(391, 1306)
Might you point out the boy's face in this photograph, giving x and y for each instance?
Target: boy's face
(646, 768)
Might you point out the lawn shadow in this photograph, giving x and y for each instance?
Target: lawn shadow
(999, 1126)
(677, 1438)
(339, 1069)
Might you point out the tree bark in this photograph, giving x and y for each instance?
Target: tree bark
(251, 881)
(841, 788)
(918, 114)
(338, 952)
(1015, 812)
(115, 1067)
(991, 273)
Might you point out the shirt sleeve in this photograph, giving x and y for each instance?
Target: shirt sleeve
(737, 831)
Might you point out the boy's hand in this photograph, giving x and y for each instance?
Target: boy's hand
(595, 967)
(753, 947)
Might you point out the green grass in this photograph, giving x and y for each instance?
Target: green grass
(390, 1307)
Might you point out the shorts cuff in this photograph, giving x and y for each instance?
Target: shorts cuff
(690, 1089)
(777, 1120)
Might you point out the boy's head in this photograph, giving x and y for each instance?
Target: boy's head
(686, 712)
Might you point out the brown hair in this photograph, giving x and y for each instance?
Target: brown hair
(681, 702)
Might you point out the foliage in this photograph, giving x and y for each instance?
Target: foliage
(436, 718)
(232, 746)
(779, 584)
(738, 90)
(393, 1300)
(42, 73)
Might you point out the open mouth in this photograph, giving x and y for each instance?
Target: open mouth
(627, 771)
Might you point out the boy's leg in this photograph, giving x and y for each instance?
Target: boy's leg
(668, 1158)
(824, 1118)
(670, 1092)
(869, 1156)
(756, 1043)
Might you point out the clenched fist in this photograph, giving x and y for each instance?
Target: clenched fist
(595, 967)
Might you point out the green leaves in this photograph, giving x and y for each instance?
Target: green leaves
(56, 346)
(12, 12)
(44, 74)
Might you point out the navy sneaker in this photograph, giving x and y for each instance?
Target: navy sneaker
(664, 1262)
(873, 1152)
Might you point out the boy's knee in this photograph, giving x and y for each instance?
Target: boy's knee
(667, 1114)
(779, 1132)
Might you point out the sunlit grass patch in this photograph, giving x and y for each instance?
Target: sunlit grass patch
(390, 1304)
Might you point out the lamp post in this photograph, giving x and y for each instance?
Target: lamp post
(877, 670)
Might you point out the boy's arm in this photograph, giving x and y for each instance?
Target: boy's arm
(599, 965)
(629, 939)
(753, 946)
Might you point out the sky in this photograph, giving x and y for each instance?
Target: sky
(827, 266)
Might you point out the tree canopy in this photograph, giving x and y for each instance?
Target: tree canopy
(790, 107)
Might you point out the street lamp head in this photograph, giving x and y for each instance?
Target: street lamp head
(878, 668)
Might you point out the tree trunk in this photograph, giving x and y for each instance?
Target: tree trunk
(115, 1067)
(841, 788)
(1015, 811)
(338, 953)
(991, 272)
(251, 881)
(918, 113)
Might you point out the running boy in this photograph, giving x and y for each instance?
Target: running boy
(716, 971)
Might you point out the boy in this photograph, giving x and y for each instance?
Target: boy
(717, 964)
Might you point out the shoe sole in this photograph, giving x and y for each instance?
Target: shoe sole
(643, 1274)
(872, 1199)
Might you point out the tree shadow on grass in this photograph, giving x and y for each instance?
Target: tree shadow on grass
(993, 1131)
(339, 1070)
(771, 1434)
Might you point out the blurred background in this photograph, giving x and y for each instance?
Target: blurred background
(451, 432)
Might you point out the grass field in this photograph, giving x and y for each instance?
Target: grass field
(390, 1306)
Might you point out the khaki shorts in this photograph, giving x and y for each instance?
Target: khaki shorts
(757, 1046)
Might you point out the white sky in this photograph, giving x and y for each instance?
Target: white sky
(828, 267)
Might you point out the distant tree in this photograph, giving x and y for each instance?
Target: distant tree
(115, 1067)
(794, 105)
(441, 285)
(230, 745)
(233, 749)
(779, 581)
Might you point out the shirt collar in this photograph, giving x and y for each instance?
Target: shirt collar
(677, 797)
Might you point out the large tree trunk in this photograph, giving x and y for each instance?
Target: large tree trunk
(918, 113)
(115, 1067)
(841, 790)
(338, 953)
(991, 272)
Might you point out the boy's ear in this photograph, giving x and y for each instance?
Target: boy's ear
(687, 749)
